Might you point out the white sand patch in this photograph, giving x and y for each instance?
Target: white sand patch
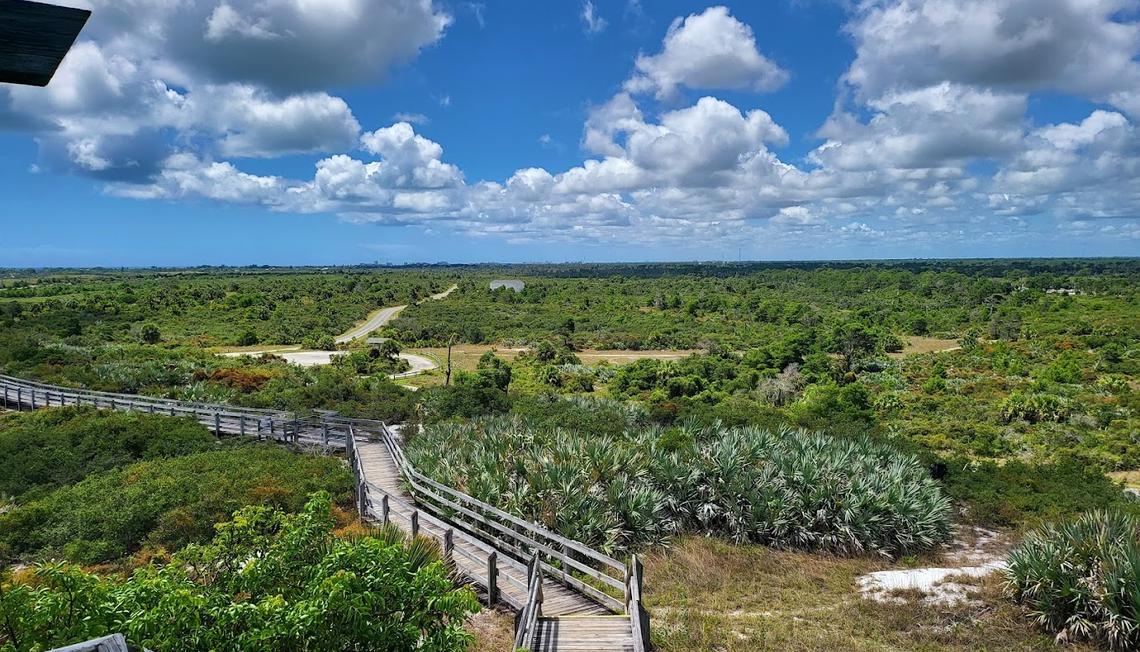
(417, 363)
(974, 553)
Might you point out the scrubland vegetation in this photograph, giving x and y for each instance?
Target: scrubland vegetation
(267, 581)
(786, 489)
(807, 441)
(1080, 578)
(127, 481)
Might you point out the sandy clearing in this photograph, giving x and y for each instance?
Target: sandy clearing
(419, 363)
(623, 357)
(974, 553)
(918, 344)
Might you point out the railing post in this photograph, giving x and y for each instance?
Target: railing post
(625, 583)
(565, 555)
(5, 397)
(362, 500)
(217, 425)
(19, 400)
(33, 398)
(415, 522)
(449, 545)
(384, 508)
(241, 427)
(112, 404)
(273, 428)
(492, 578)
(171, 409)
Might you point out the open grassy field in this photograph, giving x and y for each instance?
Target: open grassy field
(919, 344)
(707, 595)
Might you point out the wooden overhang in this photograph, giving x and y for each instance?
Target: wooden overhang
(34, 38)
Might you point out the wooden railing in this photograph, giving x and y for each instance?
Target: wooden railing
(383, 507)
(638, 616)
(562, 559)
(18, 394)
(491, 529)
(526, 623)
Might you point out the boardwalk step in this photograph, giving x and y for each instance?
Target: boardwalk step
(584, 634)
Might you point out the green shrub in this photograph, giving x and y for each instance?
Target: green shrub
(166, 502)
(1035, 407)
(1080, 579)
(267, 582)
(49, 448)
(300, 389)
(471, 395)
(1020, 494)
(788, 489)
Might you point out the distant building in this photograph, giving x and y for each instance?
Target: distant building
(517, 286)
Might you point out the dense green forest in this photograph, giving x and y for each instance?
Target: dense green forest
(855, 409)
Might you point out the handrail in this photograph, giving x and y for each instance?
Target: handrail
(214, 407)
(554, 547)
(638, 615)
(221, 418)
(560, 557)
(527, 619)
(407, 468)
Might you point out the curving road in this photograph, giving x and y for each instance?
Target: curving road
(303, 358)
(382, 317)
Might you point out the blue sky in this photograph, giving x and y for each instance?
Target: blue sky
(296, 132)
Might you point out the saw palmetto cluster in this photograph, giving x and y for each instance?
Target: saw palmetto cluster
(788, 488)
(1080, 579)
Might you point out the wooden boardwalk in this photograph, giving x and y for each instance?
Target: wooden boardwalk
(567, 595)
(471, 554)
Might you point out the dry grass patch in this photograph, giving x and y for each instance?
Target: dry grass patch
(708, 595)
(494, 631)
(918, 344)
(1130, 479)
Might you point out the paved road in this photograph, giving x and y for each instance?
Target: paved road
(382, 317)
(298, 356)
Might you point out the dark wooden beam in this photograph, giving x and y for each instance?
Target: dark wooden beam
(34, 37)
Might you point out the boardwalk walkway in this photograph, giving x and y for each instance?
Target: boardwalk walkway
(471, 554)
(567, 595)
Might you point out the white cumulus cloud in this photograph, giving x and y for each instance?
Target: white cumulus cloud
(706, 51)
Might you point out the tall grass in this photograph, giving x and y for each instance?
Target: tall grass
(1080, 579)
(787, 489)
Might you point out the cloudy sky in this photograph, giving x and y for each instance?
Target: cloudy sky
(342, 131)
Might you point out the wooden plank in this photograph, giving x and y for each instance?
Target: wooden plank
(34, 38)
